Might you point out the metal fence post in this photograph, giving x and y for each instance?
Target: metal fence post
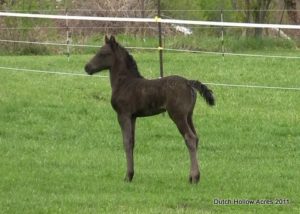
(160, 48)
(222, 30)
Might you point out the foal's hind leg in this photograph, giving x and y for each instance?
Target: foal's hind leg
(127, 124)
(190, 138)
(191, 124)
(190, 116)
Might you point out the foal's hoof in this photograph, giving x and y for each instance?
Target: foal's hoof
(128, 177)
(128, 180)
(194, 179)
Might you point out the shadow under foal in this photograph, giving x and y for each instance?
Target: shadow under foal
(134, 96)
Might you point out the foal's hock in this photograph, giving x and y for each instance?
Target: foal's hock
(134, 96)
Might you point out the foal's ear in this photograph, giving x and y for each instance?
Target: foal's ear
(113, 43)
(106, 39)
(112, 39)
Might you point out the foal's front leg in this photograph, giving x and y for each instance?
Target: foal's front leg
(127, 124)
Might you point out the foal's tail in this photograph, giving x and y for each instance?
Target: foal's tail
(205, 92)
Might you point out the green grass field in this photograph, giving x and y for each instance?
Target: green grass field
(61, 150)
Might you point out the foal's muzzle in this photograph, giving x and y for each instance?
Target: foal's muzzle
(88, 69)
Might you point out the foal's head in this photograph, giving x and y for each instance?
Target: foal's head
(104, 58)
(113, 54)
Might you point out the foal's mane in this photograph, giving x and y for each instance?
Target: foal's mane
(130, 62)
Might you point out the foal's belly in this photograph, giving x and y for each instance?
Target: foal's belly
(149, 112)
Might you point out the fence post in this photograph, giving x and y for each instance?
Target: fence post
(68, 36)
(143, 16)
(222, 30)
(160, 48)
(282, 13)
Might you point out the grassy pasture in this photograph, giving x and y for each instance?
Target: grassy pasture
(61, 150)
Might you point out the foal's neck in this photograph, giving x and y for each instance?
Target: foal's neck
(120, 74)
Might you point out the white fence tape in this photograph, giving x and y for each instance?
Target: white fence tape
(149, 20)
(98, 76)
(153, 49)
(151, 10)
(48, 72)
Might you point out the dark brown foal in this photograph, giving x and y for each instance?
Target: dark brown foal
(134, 96)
